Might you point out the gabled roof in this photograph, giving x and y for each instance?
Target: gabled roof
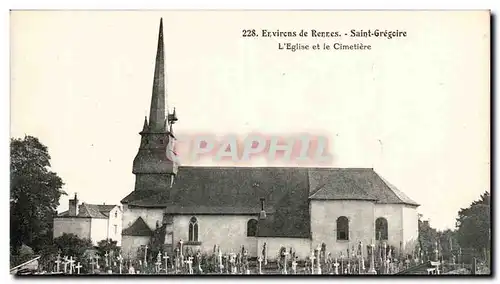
(90, 210)
(286, 190)
(138, 228)
(355, 184)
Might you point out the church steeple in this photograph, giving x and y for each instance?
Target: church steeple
(153, 166)
(157, 110)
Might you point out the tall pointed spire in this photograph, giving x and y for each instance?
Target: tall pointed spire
(157, 111)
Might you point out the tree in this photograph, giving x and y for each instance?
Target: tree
(72, 245)
(34, 193)
(107, 246)
(427, 238)
(474, 224)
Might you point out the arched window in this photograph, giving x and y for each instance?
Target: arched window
(381, 229)
(252, 228)
(342, 228)
(193, 230)
(116, 214)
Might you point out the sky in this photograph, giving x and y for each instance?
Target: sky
(416, 109)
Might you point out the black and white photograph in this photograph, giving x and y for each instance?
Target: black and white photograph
(211, 142)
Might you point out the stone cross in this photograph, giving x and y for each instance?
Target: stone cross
(348, 267)
(336, 265)
(131, 269)
(58, 262)
(71, 265)
(384, 255)
(285, 256)
(78, 268)
(294, 267)
(362, 264)
(372, 260)
(312, 262)
(342, 262)
(97, 257)
(232, 260)
(66, 264)
(221, 265)
(181, 253)
(260, 264)
(158, 262)
(145, 255)
(120, 259)
(318, 249)
(165, 257)
(189, 262)
(106, 256)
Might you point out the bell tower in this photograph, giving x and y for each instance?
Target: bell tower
(154, 166)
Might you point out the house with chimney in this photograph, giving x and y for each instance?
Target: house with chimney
(91, 221)
(260, 208)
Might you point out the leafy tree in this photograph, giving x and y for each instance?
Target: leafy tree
(109, 246)
(474, 224)
(72, 245)
(427, 238)
(34, 193)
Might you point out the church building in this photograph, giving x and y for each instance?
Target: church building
(255, 207)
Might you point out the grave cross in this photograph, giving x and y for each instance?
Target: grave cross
(78, 268)
(166, 262)
(260, 264)
(189, 262)
(285, 254)
(58, 262)
(181, 253)
(66, 264)
(221, 265)
(71, 265)
(318, 249)
(294, 266)
(106, 258)
(342, 262)
(145, 255)
(336, 265)
(120, 259)
(312, 262)
(372, 260)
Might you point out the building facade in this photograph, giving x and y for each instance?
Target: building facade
(90, 221)
(255, 207)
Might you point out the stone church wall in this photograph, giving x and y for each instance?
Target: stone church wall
(229, 232)
(324, 214)
(393, 213)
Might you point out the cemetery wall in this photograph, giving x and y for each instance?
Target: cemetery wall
(393, 213)
(72, 225)
(130, 245)
(324, 214)
(227, 231)
(301, 246)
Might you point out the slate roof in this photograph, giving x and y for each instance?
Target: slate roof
(91, 211)
(138, 228)
(287, 190)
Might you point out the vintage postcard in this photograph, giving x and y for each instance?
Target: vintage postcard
(250, 143)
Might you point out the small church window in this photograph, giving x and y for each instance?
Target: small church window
(381, 229)
(342, 228)
(116, 214)
(193, 229)
(252, 228)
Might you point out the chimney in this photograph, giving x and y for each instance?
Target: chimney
(262, 211)
(73, 206)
